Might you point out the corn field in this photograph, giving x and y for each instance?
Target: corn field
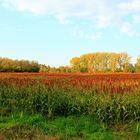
(112, 98)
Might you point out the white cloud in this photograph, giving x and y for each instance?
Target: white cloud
(101, 13)
(105, 20)
(90, 36)
(95, 36)
(81, 33)
(87, 35)
(133, 5)
(127, 28)
(136, 19)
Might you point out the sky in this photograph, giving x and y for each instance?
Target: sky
(54, 31)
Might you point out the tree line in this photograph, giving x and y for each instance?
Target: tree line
(9, 65)
(98, 62)
(93, 62)
(103, 62)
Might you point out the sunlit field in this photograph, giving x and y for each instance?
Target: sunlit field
(69, 106)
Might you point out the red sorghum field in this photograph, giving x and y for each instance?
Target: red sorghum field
(101, 83)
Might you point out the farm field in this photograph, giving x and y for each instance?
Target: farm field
(85, 106)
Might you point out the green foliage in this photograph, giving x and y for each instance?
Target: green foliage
(44, 68)
(67, 128)
(61, 69)
(129, 68)
(9, 65)
(51, 102)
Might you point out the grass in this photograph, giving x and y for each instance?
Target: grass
(64, 128)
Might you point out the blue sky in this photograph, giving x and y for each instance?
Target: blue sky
(54, 31)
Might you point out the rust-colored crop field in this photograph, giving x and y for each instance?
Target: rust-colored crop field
(101, 83)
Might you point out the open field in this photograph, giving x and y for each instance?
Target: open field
(101, 83)
(69, 106)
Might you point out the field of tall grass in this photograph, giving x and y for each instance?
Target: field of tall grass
(70, 106)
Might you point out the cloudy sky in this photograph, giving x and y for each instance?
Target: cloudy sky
(53, 31)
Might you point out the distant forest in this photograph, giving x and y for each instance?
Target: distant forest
(93, 62)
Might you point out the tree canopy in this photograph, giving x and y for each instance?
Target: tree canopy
(9, 65)
(101, 62)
